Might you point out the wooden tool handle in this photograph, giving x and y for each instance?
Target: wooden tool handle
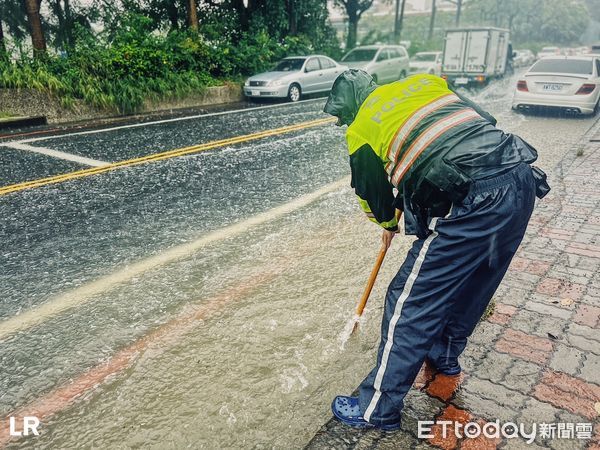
(363, 301)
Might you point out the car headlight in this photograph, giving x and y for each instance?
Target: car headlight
(247, 83)
(275, 83)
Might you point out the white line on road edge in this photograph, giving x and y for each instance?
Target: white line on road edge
(56, 154)
(156, 122)
(80, 295)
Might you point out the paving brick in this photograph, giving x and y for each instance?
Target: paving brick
(536, 412)
(525, 321)
(571, 384)
(566, 359)
(544, 308)
(567, 392)
(419, 406)
(486, 333)
(483, 407)
(538, 267)
(542, 344)
(582, 251)
(583, 343)
(444, 387)
(563, 400)
(495, 366)
(501, 395)
(561, 288)
(515, 296)
(519, 264)
(591, 368)
(587, 315)
(548, 325)
(522, 376)
(580, 276)
(522, 351)
(587, 332)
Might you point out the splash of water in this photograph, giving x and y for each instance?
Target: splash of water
(347, 331)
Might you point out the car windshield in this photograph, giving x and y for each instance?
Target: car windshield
(362, 54)
(289, 65)
(425, 57)
(579, 66)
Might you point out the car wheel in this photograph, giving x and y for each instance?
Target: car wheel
(294, 93)
(402, 75)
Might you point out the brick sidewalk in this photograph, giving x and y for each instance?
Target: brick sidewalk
(537, 358)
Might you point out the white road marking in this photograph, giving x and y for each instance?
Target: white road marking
(56, 154)
(156, 122)
(82, 294)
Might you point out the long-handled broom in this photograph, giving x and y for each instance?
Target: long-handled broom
(363, 301)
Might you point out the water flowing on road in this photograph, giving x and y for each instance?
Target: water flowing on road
(236, 344)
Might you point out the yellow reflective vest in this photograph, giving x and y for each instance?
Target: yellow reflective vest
(401, 120)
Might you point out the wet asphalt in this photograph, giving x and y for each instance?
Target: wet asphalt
(58, 237)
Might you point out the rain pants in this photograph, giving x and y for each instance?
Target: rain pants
(444, 285)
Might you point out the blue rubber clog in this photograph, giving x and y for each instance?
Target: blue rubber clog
(346, 410)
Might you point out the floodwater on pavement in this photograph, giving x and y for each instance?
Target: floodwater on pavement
(197, 301)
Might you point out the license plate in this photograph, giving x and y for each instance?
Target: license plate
(253, 92)
(461, 81)
(552, 87)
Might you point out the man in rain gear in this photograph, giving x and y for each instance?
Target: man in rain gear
(466, 190)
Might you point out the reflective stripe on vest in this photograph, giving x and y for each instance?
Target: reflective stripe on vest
(412, 122)
(426, 138)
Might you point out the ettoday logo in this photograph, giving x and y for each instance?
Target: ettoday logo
(22, 426)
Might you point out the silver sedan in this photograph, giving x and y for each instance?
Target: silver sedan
(295, 76)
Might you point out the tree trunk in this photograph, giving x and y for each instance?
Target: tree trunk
(242, 11)
(352, 11)
(290, 6)
(399, 20)
(192, 15)
(458, 11)
(3, 53)
(35, 27)
(432, 20)
(173, 15)
(69, 23)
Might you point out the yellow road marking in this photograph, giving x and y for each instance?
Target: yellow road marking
(161, 156)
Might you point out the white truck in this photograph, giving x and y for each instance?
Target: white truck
(474, 56)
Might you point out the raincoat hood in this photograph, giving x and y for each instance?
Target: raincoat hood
(348, 93)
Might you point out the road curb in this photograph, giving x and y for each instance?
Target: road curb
(16, 122)
(32, 103)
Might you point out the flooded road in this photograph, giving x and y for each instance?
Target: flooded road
(197, 301)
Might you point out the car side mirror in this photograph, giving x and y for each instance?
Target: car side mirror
(306, 70)
(514, 54)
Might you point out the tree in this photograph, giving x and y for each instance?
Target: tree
(3, 54)
(290, 6)
(192, 15)
(354, 10)
(398, 19)
(432, 20)
(35, 26)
